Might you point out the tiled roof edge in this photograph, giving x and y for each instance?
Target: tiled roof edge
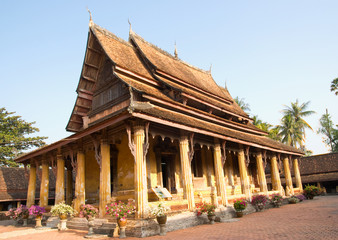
(168, 54)
(109, 34)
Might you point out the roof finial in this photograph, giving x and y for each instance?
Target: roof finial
(225, 84)
(176, 55)
(90, 18)
(210, 68)
(130, 29)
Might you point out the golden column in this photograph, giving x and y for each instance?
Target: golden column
(261, 173)
(69, 187)
(243, 173)
(230, 169)
(31, 185)
(186, 172)
(80, 181)
(140, 176)
(297, 174)
(105, 180)
(219, 172)
(275, 177)
(44, 187)
(60, 179)
(287, 173)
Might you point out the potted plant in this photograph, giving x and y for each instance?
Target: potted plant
(121, 211)
(22, 213)
(293, 200)
(259, 202)
(13, 215)
(277, 200)
(240, 206)
(301, 197)
(62, 210)
(208, 208)
(89, 212)
(37, 212)
(160, 212)
(310, 191)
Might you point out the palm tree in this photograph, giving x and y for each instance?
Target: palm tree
(290, 131)
(334, 86)
(242, 104)
(256, 121)
(293, 123)
(274, 133)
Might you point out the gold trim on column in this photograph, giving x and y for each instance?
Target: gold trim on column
(31, 184)
(186, 171)
(219, 172)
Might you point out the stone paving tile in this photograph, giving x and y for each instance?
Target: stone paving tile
(312, 219)
(9, 226)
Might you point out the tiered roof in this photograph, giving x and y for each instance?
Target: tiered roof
(165, 84)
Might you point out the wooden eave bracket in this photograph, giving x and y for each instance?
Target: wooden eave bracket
(223, 153)
(146, 143)
(279, 162)
(191, 151)
(38, 172)
(247, 157)
(73, 162)
(131, 143)
(96, 142)
(26, 171)
(290, 161)
(264, 158)
(53, 162)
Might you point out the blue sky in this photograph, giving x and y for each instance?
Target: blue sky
(268, 52)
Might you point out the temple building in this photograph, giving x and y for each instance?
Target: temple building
(148, 125)
(321, 170)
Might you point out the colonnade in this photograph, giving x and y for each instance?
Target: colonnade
(138, 145)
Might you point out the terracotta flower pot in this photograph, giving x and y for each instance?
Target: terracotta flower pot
(211, 218)
(90, 225)
(38, 221)
(63, 216)
(239, 214)
(25, 220)
(162, 219)
(259, 207)
(122, 222)
(277, 204)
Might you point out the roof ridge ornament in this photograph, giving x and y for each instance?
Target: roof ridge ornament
(210, 68)
(91, 23)
(130, 29)
(175, 52)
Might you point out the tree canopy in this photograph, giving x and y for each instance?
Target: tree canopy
(334, 86)
(329, 131)
(293, 124)
(242, 104)
(13, 137)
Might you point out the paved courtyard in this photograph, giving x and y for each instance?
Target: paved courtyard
(311, 219)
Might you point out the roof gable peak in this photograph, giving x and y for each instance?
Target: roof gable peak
(94, 27)
(138, 37)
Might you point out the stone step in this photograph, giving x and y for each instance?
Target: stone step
(101, 226)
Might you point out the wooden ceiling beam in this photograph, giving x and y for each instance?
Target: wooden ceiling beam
(92, 65)
(89, 79)
(82, 106)
(80, 113)
(76, 121)
(95, 50)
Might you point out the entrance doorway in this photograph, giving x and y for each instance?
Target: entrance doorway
(168, 172)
